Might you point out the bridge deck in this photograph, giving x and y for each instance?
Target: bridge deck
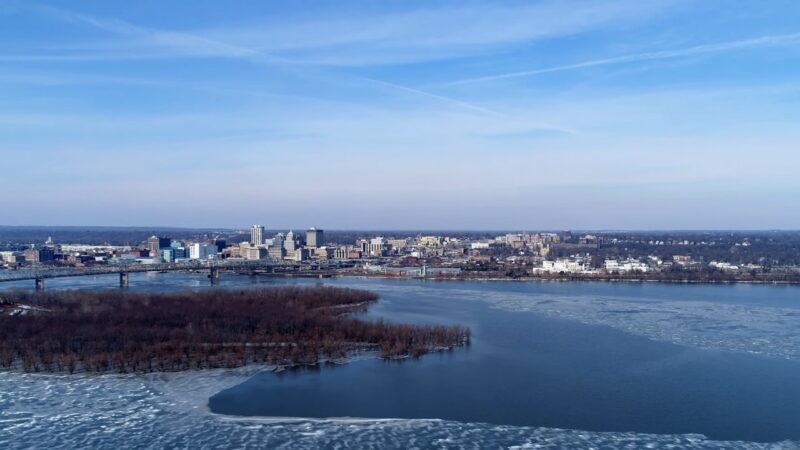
(20, 275)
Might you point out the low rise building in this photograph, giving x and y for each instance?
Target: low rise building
(564, 265)
(253, 253)
(723, 266)
(323, 253)
(629, 265)
(276, 252)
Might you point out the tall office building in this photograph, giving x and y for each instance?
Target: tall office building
(278, 240)
(220, 243)
(202, 251)
(257, 235)
(290, 244)
(155, 244)
(314, 238)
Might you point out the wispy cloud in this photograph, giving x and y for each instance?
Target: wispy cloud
(240, 90)
(150, 42)
(763, 41)
(163, 43)
(440, 32)
(348, 38)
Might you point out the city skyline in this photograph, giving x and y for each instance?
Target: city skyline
(540, 115)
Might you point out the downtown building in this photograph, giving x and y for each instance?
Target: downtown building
(315, 238)
(202, 251)
(155, 244)
(257, 235)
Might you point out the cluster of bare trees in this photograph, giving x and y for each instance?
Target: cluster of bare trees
(118, 331)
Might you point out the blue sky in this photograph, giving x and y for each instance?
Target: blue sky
(615, 114)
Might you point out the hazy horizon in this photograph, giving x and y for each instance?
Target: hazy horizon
(620, 114)
(422, 229)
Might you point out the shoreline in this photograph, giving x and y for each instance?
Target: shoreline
(541, 279)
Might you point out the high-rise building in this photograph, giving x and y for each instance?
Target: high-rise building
(202, 251)
(277, 241)
(155, 244)
(220, 243)
(290, 243)
(315, 238)
(257, 235)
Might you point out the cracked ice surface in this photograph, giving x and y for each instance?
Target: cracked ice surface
(758, 329)
(169, 411)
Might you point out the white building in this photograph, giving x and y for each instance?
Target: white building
(12, 257)
(565, 265)
(69, 248)
(257, 234)
(202, 251)
(342, 252)
(629, 265)
(290, 243)
(377, 246)
(723, 265)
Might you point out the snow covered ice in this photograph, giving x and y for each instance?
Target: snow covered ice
(169, 411)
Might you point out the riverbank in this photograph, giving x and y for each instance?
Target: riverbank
(556, 278)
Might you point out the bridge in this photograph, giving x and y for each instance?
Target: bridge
(213, 267)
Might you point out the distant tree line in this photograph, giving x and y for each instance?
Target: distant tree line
(115, 331)
(764, 248)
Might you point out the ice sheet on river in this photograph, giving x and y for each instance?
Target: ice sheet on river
(765, 330)
(169, 411)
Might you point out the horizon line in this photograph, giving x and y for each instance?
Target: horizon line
(460, 230)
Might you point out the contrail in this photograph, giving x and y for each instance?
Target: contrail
(460, 103)
(764, 41)
(441, 98)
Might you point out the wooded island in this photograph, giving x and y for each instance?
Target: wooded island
(124, 332)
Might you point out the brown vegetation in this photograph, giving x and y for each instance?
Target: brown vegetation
(132, 332)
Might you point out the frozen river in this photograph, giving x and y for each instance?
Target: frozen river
(551, 365)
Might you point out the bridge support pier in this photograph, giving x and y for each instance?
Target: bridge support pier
(40, 284)
(214, 275)
(123, 279)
